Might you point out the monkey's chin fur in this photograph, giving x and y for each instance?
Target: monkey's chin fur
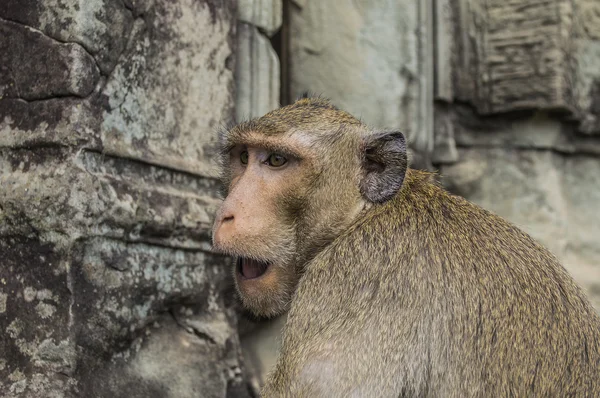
(265, 288)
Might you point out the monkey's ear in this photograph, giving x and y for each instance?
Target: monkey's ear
(384, 166)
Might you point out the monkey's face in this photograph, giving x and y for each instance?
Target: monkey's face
(268, 183)
(291, 191)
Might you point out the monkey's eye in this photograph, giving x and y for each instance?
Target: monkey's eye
(244, 157)
(276, 160)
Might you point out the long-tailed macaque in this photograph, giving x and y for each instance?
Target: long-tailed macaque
(395, 288)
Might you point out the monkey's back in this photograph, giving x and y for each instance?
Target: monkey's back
(447, 300)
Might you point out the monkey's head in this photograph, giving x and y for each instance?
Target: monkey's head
(294, 180)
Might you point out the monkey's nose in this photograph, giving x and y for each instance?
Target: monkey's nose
(226, 217)
(222, 229)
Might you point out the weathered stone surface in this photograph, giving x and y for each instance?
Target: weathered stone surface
(114, 288)
(550, 196)
(108, 287)
(37, 350)
(257, 74)
(513, 54)
(145, 304)
(261, 348)
(59, 69)
(100, 26)
(589, 13)
(444, 150)
(196, 367)
(160, 105)
(264, 14)
(86, 193)
(56, 121)
(444, 49)
(370, 58)
(69, 309)
(539, 130)
(172, 73)
(527, 54)
(586, 57)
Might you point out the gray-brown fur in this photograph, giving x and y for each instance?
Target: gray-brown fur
(424, 294)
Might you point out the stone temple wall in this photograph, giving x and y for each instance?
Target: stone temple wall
(108, 114)
(108, 117)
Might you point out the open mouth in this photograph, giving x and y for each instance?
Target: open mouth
(251, 269)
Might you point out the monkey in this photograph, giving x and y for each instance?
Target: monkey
(393, 286)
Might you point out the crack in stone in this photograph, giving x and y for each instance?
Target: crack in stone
(49, 98)
(203, 336)
(55, 39)
(35, 145)
(148, 163)
(127, 6)
(71, 289)
(191, 329)
(82, 47)
(563, 152)
(148, 242)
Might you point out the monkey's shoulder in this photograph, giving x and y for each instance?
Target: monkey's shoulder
(428, 234)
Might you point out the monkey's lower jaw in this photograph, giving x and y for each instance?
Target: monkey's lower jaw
(251, 269)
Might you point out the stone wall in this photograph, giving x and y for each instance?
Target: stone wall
(108, 115)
